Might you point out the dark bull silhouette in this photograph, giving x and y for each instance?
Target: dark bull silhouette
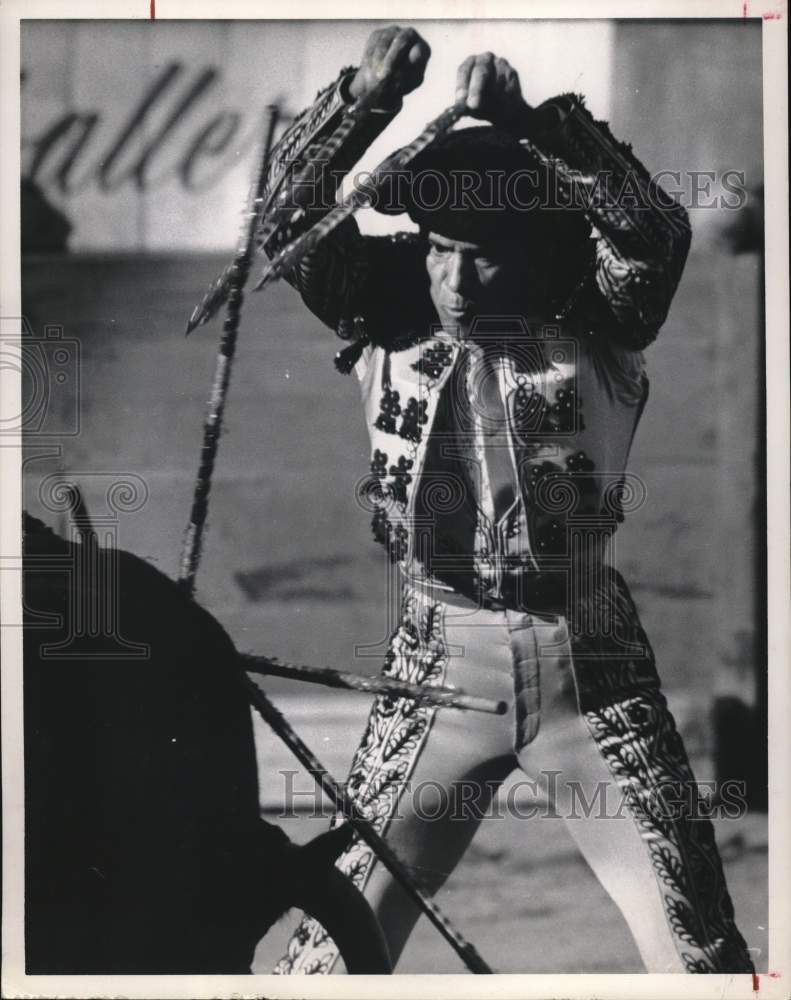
(144, 849)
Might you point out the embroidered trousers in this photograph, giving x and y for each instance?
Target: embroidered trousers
(596, 737)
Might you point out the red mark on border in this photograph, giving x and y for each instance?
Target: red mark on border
(774, 15)
(744, 10)
(773, 975)
(756, 982)
(153, 10)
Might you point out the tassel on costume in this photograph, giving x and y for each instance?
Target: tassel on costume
(346, 359)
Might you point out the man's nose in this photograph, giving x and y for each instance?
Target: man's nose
(457, 272)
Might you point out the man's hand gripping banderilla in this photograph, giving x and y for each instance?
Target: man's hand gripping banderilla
(394, 58)
(489, 87)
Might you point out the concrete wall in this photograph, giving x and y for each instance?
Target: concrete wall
(180, 184)
(691, 98)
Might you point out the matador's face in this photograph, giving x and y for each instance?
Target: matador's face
(470, 280)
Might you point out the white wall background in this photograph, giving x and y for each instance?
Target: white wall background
(107, 67)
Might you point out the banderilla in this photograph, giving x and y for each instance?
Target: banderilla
(347, 806)
(435, 695)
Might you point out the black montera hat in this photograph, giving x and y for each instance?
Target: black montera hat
(480, 184)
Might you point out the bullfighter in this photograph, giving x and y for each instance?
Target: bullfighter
(499, 351)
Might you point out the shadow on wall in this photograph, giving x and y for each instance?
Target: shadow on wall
(45, 229)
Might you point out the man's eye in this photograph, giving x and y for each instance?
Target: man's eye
(438, 251)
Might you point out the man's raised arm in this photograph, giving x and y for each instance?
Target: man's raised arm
(310, 161)
(642, 233)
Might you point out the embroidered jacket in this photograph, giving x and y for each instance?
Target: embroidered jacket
(571, 381)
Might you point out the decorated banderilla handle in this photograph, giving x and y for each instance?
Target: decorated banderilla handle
(361, 197)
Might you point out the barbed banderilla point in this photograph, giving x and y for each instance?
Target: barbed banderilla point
(347, 806)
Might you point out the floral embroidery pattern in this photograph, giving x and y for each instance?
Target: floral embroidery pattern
(605, 631)
(554, 494)
(390, 407)
(528, 407)
(379, 464)
(578, 461)
(394, 537)
(433, 360)
(638, 739)
(567, 410)
(415, 415)
(395, 734)
(401, 477)
(392, 484)
(534, 414)
(628, 718)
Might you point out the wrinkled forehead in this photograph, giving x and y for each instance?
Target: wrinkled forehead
(448, 243)
(437, 239)
(494, 249)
